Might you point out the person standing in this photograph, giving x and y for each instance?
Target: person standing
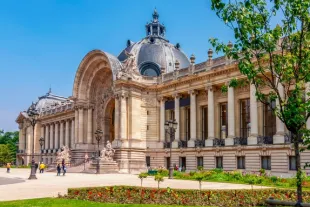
(8, 167)
(42, 166)
(58, 169)
(64, 169)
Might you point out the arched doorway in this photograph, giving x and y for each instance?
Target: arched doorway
(109, 125)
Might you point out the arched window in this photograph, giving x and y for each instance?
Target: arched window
(149, 69)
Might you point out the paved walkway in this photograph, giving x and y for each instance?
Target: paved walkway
(15, 185)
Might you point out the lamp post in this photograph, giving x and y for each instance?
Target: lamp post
(41, 140)
(98, 136)
(33, 115)
(170, 128)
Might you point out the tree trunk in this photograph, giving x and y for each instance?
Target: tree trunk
(141, 182)
(158, 185)
(298, 168)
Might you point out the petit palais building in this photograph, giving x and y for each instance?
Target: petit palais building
(131, 96)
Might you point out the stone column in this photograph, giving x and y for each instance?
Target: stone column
(90, 125)
(252, 140)
(231, 116)
(61, 134)
(278, 138)
(76, 125)
(67, 135)
(116, 122)
(162, 119)
(51, 136)
(46, 139)
(72, 134)
(175, 143)
(209, 141)
(56, 135)
(123, 117)
(193, 124)
(81, 124)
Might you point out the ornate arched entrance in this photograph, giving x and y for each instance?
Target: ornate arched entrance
(93, 88)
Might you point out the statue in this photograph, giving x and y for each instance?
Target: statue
(64, 154)
(107, 152)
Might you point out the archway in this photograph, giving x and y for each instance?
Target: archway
(109, 127)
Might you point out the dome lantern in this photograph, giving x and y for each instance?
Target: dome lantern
(155, 28)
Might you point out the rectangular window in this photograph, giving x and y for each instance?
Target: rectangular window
(219, 162)
(199, 162)
(245, 118)
(182, 163)
(292, 160)
(204, 122)
(148, 161)
(223, 120)
(266, 162)
(269, 120)
(241, 162)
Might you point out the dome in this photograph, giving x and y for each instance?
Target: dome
(154, 53)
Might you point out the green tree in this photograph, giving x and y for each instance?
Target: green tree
(142, 176)
(159, 178)
(5, 154)
(10, 139)
(273, 57)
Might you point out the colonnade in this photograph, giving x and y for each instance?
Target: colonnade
(58, 134)
(252, 139)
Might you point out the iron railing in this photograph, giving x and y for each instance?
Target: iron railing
(240, 141)
(218, 142)
(200, 143)
(264, 140)
(182, 144)
(288, 138)
(167, 144)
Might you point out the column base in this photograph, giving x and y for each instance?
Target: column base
(229, 141)
(175, 144)
(209, 142)
(252, 140)
(191, 143)
(278, 139)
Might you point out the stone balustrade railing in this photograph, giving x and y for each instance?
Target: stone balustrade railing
(57, 108)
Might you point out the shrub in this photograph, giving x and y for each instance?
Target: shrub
(129, 194)
(142, 176)
(159, 178)
(163, 172)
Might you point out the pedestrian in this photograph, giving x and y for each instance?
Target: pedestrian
(36, 165)
(42, 166)
(58, 169)
(64, 169)
(8, 167)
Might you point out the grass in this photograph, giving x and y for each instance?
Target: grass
(57, 202)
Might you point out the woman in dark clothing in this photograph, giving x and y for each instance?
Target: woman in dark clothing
(58, 169)
(64, 169)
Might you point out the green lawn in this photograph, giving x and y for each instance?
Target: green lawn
(55, 202)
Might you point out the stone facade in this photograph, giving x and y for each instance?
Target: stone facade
(215, 129)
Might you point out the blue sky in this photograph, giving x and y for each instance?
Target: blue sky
(43, 42)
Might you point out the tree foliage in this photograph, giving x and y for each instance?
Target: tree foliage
(275, 59)
(8, 148)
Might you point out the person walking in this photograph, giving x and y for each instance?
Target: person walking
(42, 166)
(8, 167)
(64, 169)
(58, 169)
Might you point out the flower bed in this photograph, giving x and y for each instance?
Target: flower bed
(219, 175)
(128, 195)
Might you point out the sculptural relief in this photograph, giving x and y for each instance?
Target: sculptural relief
(107, 152)
(64, 154)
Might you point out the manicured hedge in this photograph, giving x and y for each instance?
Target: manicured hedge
(227, 198)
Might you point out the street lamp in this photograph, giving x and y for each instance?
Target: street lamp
(170, 128)
(98, 136)
(41, 140)
(33, 115)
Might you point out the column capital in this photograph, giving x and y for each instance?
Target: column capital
(193, 92)
(162, 98)
(210, 87)
(90, 106)
(176, 95)
(121, 95)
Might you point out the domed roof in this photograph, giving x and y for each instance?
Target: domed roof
(154, 51)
